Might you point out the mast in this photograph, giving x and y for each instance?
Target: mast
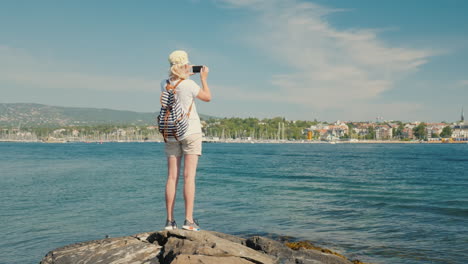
(282, 131)
(462, 116)
(278, 136)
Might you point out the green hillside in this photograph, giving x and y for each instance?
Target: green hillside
(37, 115)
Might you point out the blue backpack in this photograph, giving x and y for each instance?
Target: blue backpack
(172, 120)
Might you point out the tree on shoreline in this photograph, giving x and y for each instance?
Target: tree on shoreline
(420, 131)
(446, 132)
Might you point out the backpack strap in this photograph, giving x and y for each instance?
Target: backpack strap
(188, 113)
(190, 108)
(172, 87)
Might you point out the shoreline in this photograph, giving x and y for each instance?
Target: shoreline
(242, 141)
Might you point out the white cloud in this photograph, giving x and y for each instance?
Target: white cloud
(331, 68)
(19, 67)
(463, 83)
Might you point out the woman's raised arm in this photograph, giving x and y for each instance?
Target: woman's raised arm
(204, 94)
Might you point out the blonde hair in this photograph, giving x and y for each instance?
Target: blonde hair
(179, 71)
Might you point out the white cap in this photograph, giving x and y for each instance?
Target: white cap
(178, 57)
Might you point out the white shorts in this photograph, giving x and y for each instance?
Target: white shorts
(192, 144)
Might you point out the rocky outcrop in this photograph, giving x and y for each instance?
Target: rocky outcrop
(180, 247)
(128, 249)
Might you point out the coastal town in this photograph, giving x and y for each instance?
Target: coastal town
(253, 130)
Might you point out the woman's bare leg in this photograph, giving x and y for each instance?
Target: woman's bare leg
(190, 170)
(173, 172)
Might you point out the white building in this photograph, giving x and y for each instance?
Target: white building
(460, 130)
(59, 131)
(383, 132)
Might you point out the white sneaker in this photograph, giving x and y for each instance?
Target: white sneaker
(191, 226)
(171, 225)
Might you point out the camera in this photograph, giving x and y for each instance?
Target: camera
(197, 68)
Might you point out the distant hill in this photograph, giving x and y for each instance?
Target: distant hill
(36, 115)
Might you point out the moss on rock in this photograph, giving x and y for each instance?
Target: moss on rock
(308, 245)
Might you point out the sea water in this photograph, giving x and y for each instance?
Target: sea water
(379, 203)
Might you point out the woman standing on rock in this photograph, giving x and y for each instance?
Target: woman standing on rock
(189, 145)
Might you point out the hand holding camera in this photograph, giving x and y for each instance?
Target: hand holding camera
(202, 69)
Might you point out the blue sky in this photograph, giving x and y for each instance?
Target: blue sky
(324, 59)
